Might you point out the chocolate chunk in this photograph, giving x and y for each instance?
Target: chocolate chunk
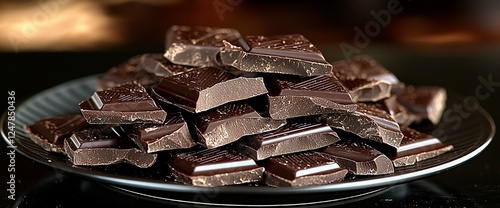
(303, 169)
(228, 123)
(366, 90)
(360, 158)
(105, 147)
(398, 111)
(365, 67)
(282, 54)
(158, 65)
(206, 88)
(129, 71)
(291, 97)
(417, 146)
(214, 167)
(294, 137)
(197, 46)
(50, 133)
(424, 102)
(369, 121)
(125, 104)
(173, 134)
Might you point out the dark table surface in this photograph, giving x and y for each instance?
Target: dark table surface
(473, 184)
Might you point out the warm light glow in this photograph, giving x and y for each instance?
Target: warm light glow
(456, 37)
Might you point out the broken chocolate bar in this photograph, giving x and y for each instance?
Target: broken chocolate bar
(173, 134)
(365, 90)
(282, 54)
(303, 169)
(398, 112)
(369, 121)
(291, 97)
(124, 104)
(197, 46)
(129, 71)
(424, 102)
(105, 147)
(206, 88)
(360, 158)
(158, 65)
(50, 133)
(228, 123)
(214, 167)
(417, 146)
(294, 137)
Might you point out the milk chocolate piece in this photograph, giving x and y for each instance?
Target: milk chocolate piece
(369, 121)
(105, 147)
(417, 146)
(366, 90)
(125, 104)
(197, 46)
(129, 71)
(294, 137)
(206, 88)
(158, 65)
(173, 134)
(291, 97)
(303, 169)
(282, 54)
(360, 158)
(425, 102)
(214, 167)
(228, 123)
(50, 133)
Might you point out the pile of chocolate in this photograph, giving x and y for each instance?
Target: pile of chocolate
(232, 110)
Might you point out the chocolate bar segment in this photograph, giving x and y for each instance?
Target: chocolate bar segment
(366, 90)
(197, 46)
(398, 111)
(172, 134)
(125, 104)
(293, 137)
(50, 133)
(303, 169)
(214, 167)
(105, 147)
(282, 54)
(369, 121)
(158, 65)
(291, 97)
(424, 102)
(129, 71)
(228, 123)
(360, 158)
(417, 146)
(206, 88)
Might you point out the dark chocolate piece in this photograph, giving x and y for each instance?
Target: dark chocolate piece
(228, 123)
(282, 54)
(365, 67)
(50, 133)
(417, 146)
(398, 111)
(360, 158)
(369, 121)
(125, 104)
(158, 65)
(206, 88)
(366, 90)
(197, 46)
(424, 102)
(303, 169)
(215, 167)
(105, 147)
(295, 97)
(173, 134)
(129, 71)
(294, 137)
